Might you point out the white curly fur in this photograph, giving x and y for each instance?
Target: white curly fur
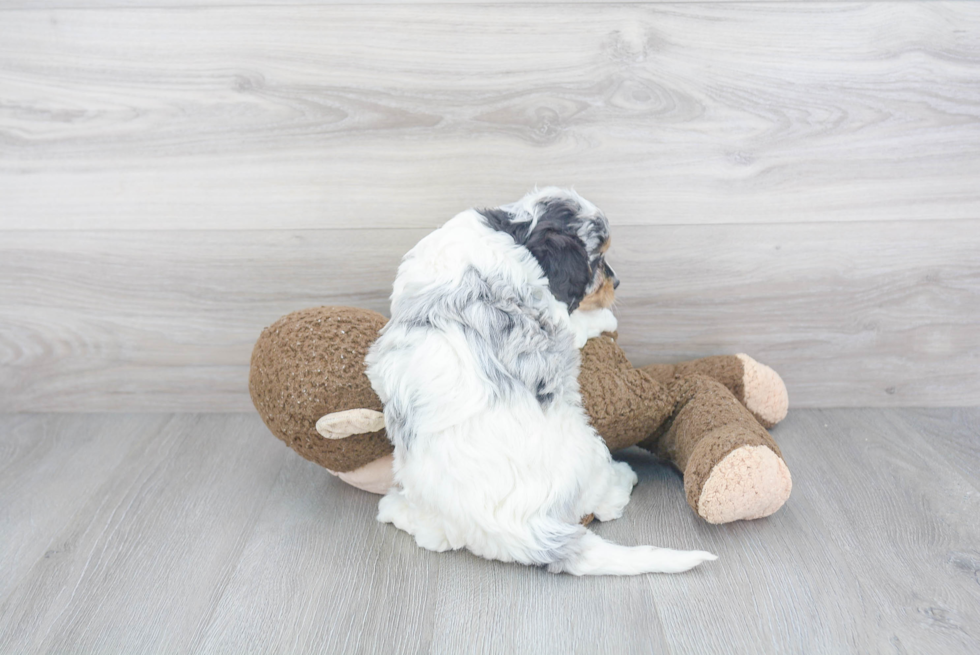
(478, 372)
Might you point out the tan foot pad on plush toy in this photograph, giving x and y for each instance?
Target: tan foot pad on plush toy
(749, 483)
(375, 477)
(765, 393)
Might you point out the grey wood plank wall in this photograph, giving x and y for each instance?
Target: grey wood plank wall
(797, 180)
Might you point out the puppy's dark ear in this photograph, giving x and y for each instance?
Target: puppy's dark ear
(503, 221)
(565, 263)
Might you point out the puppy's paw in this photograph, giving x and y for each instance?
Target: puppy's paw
(610, 512)
(398, 511)
(626, 476)
(434, 540)
(588, 324)
(394, 509)
(605, 321)
(622, 479)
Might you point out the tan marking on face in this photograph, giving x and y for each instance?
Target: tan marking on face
(601, 298)
(605, 293)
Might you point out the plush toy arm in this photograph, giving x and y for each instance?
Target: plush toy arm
(755, 385)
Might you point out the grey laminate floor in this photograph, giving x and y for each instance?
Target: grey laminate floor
(202, 533)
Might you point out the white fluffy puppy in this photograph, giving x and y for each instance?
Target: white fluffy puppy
(478, 372)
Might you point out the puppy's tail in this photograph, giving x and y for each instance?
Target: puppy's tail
(590, 554)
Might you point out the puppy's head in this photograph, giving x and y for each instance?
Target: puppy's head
(569, 237)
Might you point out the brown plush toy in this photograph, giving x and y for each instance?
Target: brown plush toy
(706, 416)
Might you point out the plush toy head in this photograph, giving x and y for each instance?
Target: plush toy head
(311, 363)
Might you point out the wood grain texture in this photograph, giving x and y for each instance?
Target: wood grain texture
(899, 526)
(868, 314)
(202, 541)
(151, 550)
(954, 435)
(139, 4)
(126, 320)
(397, 116)
(40, 461)
(850, 314)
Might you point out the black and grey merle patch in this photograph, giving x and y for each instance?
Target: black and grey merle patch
(517, 346)
(503, 221)
(563, 242)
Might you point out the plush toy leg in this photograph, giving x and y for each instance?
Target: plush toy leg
(732, 468)
(375, 476)
(755, 385)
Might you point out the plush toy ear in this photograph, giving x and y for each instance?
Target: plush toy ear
(564, 261)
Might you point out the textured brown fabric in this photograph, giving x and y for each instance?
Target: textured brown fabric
(310, 363)
(726, 369)
(708, 424)
(624, 404)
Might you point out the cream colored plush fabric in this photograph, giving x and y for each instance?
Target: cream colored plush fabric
(375, 476)
(765, 393)
(749, 483)
(340, 425)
